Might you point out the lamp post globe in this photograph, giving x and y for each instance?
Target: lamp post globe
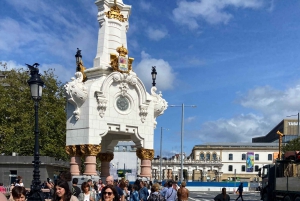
(35, 82)
(36, 88)
(153, 73)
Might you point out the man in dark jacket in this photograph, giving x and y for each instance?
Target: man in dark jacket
(75, 189)
(240, 190)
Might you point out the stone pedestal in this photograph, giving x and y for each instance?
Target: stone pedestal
(105, 159)
(75, 165)
(90, 152)
(146, 156)
(75, 159)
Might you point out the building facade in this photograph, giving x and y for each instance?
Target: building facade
(219, 162)
(13, 166)
(289, 128)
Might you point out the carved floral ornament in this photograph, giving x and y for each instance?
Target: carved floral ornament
(90, 149)
(73, 150)
(115, 13)
(105, 157)
(76, 93)
(83, 150)
(102, 103)
(145, 154)
(160, 104)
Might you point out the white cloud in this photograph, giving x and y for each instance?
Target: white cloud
(270, 106)
(165, 76)
(156, 34)
(145, 5)
(47, 31)
(63, 74)
(13, 65)
(212, 11)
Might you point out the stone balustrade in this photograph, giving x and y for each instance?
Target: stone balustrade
(187, 162)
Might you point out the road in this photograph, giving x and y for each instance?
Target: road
(208, 196)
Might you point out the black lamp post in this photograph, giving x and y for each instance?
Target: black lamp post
(36, 87)
(153, 73)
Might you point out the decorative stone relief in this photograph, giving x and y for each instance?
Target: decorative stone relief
(105, 157)
(102, 103)
(76, 93)
(123, 77)
(160, 104)
(143, 112)
(73, 150)
(90, 149)
(123, 87)
(145, 154)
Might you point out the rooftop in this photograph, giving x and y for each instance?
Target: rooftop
(232, 144)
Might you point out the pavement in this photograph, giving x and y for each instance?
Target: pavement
(209, 196)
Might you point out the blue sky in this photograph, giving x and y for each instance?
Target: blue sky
(237, 60)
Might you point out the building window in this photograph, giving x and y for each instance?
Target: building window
(243, 168)
(202, 156)
(230, 168)
(208, 156)
(257, 157)
(214, 156)
(116, 148)
(230, 157)
(243, 157)
(256, 168)
(270, 157)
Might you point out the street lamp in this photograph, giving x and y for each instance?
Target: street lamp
(293, 115)
(161, 132)
(182, 131)
(153, 73)
(36, 88)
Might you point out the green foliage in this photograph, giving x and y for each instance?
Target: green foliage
(17, 117)
(293, 145)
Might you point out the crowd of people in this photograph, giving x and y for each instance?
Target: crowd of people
(66, 189)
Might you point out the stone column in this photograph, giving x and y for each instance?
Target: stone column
(146, 156)
(105, 159)
(90, 152)
(174, 174)
(75, 159)
(204, 175)
(190, 175)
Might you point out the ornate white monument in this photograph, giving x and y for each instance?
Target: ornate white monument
(108, 102)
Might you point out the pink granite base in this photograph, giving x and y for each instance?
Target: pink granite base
(104, 169)
(146, 168)
(75, 164)
(90, 165)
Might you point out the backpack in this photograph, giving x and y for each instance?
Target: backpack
(156, 197)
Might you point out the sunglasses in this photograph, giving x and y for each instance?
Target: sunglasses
(108, 193)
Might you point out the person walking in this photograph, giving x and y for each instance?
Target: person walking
(155, 195)
(183, 193)
(134, 195)
(75, 189)
(62, 192)
(87, 194)
(223, 196)
(143, 192)
(240, 190)
(171, 194)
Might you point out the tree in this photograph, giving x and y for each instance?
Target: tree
(293, 145)
(17, 115)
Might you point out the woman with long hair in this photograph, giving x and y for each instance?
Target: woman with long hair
(86, 194)
(62, 192)
(109, 193)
